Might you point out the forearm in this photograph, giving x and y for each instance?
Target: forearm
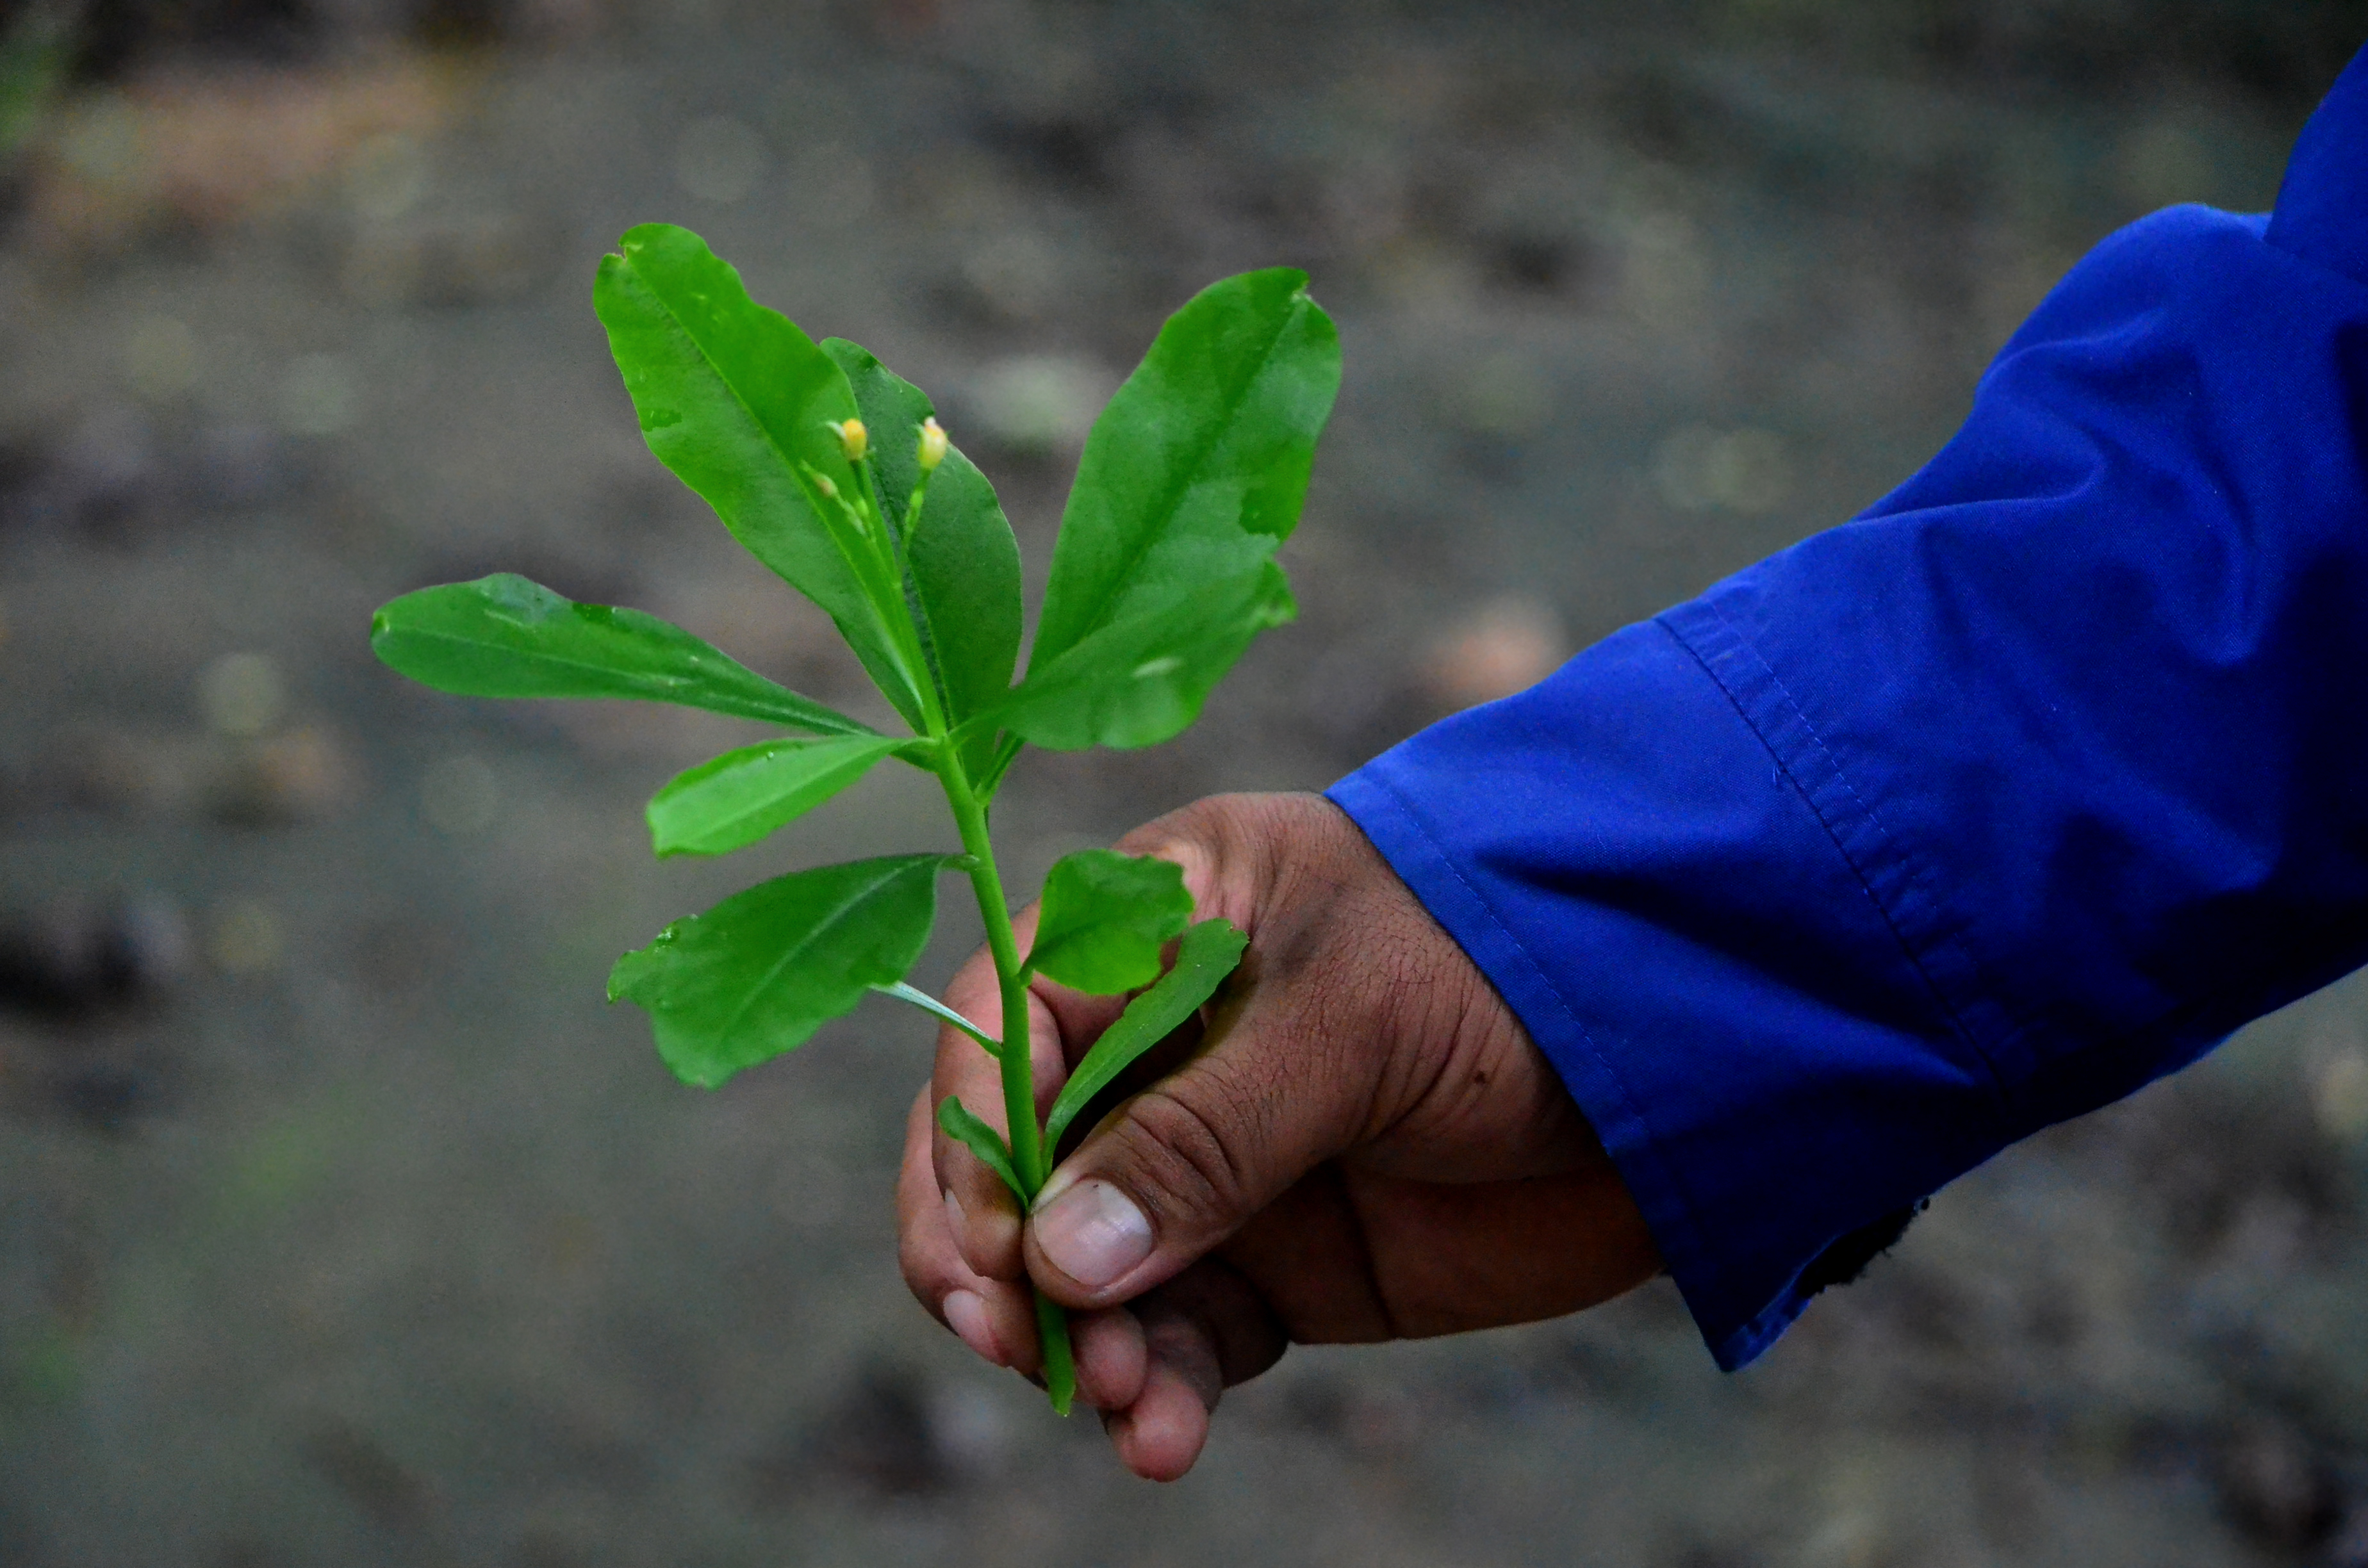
(1973, 815)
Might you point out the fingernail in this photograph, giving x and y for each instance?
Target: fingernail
(966, 1314)
(1093, 1233)
(955, 1217)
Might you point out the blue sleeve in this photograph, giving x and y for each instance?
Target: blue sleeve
(2027, 787)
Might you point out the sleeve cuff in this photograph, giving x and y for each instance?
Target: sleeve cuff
(1646, 877)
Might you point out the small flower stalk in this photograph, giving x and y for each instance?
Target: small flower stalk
(929, 451)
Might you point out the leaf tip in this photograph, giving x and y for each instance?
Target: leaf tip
(698, 1075)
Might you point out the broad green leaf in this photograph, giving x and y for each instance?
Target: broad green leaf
(964, 562)
(1203, 456)
(738, 798)
(758, 973)
(1140, 681)
(735, 399)
(980, 1139)
(1105, 918)
(504, 636)
(1209, 952)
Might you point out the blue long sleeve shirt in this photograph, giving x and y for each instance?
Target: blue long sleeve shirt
(2024, 789)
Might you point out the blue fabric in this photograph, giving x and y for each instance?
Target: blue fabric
(1975, 813)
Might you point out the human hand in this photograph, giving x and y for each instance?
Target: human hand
(1361, 1143)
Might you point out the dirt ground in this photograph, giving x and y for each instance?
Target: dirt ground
(341, 1223)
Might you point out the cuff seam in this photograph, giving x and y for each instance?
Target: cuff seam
(1829, 765)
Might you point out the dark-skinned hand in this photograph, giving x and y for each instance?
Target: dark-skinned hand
(1360, 1145)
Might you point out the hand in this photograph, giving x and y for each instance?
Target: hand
(1361, 1144)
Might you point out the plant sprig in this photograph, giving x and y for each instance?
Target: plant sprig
(1163, 571)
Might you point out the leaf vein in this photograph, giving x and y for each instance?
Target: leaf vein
(1174, 500)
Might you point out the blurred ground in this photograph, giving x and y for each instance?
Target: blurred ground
(340, 1221)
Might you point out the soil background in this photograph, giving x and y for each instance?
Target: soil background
(341, 1222)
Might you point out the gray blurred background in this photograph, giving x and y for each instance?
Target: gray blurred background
(341, 1223)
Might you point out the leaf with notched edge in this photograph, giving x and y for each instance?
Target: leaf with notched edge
(1192, 476)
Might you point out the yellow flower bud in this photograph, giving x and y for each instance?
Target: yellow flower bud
(853, 439)
(933, 449)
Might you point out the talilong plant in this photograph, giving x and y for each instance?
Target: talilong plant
(834, 474)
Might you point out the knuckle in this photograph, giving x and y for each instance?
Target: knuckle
(1222, 843)
(1190, 1151)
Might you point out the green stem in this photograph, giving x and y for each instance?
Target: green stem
(1031, 1160)
(1003, 943)
(912, 518)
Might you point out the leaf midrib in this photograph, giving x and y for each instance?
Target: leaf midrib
(871, 755)
(797, 706)
(1175, 499)
(789, 464)
(814, 933)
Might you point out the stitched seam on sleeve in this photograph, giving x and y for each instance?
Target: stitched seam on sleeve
(1907, 949)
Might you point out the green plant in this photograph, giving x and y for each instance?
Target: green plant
(1163, 571)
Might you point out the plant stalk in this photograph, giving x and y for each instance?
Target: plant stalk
(1031, 1160)
(1003, 943)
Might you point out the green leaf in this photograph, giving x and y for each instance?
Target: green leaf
(735, 399)
(1209, 953)
(1105, 918)
(1142, 680)
(504, 636)
(964, 562)
(758, 973)
(738, 798)
(1195, 472)
(981, 1140)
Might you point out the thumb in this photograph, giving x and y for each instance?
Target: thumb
(1179, 1168)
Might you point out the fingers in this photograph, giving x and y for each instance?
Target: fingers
(1283, 1078)
(1179, 1168)
(1162, 1433)
(1112, 1355)
(1352, 1256)
(994, 1317)
(1202, 1333)
(1459, 1257)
